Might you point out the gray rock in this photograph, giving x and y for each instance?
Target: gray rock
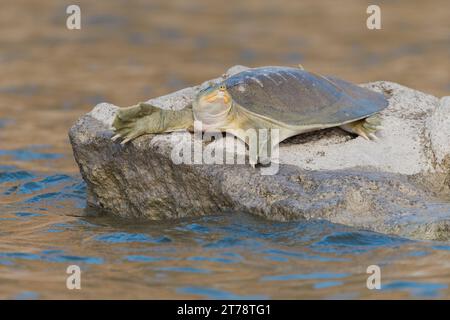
(399, 184)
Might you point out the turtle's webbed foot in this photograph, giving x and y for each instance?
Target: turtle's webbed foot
(134, 121)
(365, 128)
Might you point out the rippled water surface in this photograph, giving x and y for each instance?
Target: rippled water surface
(129, 51)
(44, 229)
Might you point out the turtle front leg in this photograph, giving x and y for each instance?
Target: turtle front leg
(263, 146)
(144, 118)
(365, 128)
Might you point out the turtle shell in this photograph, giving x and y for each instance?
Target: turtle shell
(298, 97)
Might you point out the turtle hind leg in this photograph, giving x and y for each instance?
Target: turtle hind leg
(365, 128)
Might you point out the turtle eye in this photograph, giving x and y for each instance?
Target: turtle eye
(222, 87)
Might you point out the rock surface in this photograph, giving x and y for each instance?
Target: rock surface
(399, 184)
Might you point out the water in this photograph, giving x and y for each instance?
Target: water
(44, 229)
(50, 76)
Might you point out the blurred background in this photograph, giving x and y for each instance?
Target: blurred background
(132, 50)
(129, 51)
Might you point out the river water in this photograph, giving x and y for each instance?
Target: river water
(129, 53)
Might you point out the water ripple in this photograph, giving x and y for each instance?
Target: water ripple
(62, 258)
(29, 155)
(223, 247)
(417, 289)
(356, 242)
(305, 276)
(125, 237)
(212, 293)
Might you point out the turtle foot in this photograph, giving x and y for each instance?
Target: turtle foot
(365, 128)
(134, 121)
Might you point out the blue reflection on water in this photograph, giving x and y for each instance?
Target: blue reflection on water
(213, 259)
(34, 186)
(139, 258)
(418, 289)
(305, 276)
(221, 242)
(212, 293)
(185, 269)
(327, 284)
(302, 255)
(15, 176)
(356, 242)
(124, 237)
(27, 295)
(11, 256)
(29, 154)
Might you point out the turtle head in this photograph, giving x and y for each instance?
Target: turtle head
(212, 105)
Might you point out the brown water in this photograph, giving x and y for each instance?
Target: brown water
(129, 51)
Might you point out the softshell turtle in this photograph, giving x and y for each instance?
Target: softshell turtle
(291, 100)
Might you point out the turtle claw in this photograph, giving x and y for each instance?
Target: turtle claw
(114, 138)
(373, 137)
(127, 135)
(125, 141)
(361, 133)
(134, 121)
(365, 128)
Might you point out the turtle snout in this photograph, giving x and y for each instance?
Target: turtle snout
(217, 97)
(213, 108)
